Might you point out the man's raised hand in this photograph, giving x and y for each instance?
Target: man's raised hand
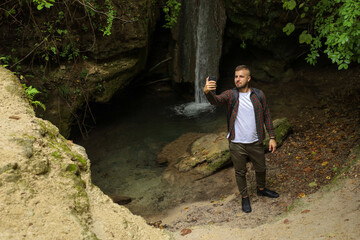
(209, 86)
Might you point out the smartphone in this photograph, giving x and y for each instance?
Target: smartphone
(212, 78)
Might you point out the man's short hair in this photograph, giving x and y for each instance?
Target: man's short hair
(242, 67)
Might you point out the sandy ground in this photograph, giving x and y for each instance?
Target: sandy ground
(331, 213)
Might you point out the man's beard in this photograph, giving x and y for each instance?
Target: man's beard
(243, 86)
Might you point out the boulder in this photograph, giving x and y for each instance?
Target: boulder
(207, 154)
(282, 130)
(203, 155)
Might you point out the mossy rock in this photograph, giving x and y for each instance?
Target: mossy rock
(282, 129)
(210, 152)
(207, 154)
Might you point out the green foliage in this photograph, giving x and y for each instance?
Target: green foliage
(4, 61)
(305, 37)
(289, 4)
(289, 28)
(40, 4)
(111, 15)
(335, 29)
(51, 29)
(30, 94)
(172, 10)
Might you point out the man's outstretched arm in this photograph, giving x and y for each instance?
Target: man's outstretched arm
(211, 97)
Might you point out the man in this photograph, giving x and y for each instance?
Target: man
(247, 115)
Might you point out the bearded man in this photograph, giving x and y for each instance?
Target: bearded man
(248, 112)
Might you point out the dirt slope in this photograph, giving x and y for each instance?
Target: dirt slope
(45, 185)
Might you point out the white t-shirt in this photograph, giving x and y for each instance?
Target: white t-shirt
(245, 126)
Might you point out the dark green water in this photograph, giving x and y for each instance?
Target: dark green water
(130, 133)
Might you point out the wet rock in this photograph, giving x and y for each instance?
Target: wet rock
(206, 154)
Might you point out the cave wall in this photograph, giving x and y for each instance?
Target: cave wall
(93, 67)
(254, 36)
(244, 32)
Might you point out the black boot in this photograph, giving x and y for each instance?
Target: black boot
(246, 205)
(267, 193)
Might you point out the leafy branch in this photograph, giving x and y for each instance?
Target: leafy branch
(54, 38)
(172, 10)
(335, 28)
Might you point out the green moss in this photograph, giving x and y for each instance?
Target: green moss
(281, 127)
(60, 144)
(71, 168)
(56, 155)
(218, 161)
(80, 159)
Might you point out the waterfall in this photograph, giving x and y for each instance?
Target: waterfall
(198, 50)
(199, 38)
(202, 52)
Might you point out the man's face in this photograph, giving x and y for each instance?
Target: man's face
(242, 78)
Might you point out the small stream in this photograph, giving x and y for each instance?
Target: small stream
(130, 133)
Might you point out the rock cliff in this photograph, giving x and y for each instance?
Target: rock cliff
(45, 181)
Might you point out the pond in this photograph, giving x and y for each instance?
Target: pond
(130, 133)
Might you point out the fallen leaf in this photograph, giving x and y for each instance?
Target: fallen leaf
(324, 163)
(186, 208)
(301, 195)
(308, 169)
(14, 117)
(185, 231)
(332, 235)
(286, 221)
(328, 177)
(312, 184)
(305, 211)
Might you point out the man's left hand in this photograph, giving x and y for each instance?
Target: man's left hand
(272, 145)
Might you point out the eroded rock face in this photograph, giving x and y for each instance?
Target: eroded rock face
(112, 63)
(45, 182)
(204, 154)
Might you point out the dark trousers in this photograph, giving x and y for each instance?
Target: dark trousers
(240, 153)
